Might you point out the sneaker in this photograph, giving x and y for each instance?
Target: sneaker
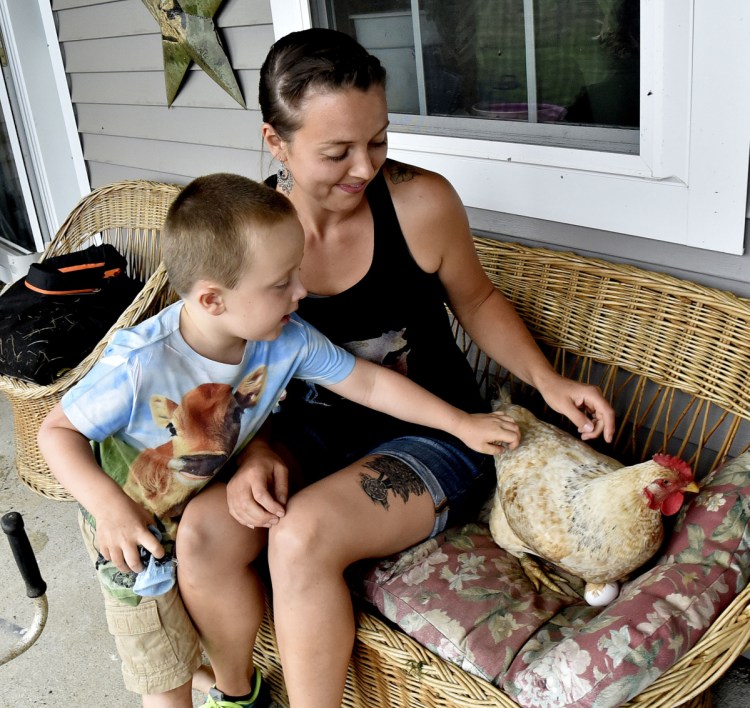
(261, 698)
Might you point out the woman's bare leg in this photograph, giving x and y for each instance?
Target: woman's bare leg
(327, 527)
(220, 588)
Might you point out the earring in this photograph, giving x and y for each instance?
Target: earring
(284, 179)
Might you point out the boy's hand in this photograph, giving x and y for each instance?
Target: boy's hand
(121, 523)
(258, 491)
(121, 530)
(490, 433)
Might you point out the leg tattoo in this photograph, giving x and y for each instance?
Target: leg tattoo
(393, 475)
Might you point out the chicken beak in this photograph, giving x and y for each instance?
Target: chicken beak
(692, 487)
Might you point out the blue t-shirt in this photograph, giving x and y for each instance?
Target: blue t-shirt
(168, 418)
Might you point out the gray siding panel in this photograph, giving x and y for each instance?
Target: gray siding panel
(112, 19)
(140, 53)
(247, 47)
(101, 173)
(221, 128)
(131, 17)
(170, 157)
(66, 4)
(146, 88)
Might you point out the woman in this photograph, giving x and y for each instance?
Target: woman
(386, 246)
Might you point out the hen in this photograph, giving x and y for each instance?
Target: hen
(559, 499)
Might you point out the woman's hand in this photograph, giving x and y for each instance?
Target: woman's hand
(258, 492)
(583, 404)
(490, 433)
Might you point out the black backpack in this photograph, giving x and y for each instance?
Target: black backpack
(55, 316)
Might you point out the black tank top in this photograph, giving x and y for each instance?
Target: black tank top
(394, 316)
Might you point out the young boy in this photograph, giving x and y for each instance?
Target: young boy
(175, 397)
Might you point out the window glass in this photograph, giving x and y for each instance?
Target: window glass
(14, 222)
(552, 62)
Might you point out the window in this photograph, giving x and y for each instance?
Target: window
(682, 177)
(18, 227)
(556, 65)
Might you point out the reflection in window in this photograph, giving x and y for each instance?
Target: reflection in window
(544, 61)
(14, 222)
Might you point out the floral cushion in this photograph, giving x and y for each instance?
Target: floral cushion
(467, 600)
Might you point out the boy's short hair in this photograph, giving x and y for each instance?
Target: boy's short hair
(213, 225)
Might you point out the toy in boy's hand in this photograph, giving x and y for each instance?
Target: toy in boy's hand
(560, 500)
(158, 574)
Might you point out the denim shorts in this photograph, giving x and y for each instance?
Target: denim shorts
(457, 478)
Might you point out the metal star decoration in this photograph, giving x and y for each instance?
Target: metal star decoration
(188, 34)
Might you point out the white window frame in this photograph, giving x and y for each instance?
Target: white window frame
(688, 183)
(41, 87)
(23, 179)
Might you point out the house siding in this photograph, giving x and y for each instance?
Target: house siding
(113, 59)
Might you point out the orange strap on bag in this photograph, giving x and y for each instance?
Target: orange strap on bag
(76, 273)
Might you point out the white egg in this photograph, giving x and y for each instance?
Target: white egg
(600, 596)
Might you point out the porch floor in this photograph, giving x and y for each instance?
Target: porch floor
(74, 661)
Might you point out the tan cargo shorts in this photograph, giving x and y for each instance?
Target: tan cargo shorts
(156, 639)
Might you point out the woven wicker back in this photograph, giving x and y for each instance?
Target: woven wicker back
(673, 356)
(128, 215)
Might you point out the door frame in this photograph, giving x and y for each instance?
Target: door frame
(45, 107)
(18, 160)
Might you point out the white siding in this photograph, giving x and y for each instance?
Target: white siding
(239, 129)
(116, 18)
(146, 88)
(113, 59)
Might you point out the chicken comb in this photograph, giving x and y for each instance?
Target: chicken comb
(674, 463)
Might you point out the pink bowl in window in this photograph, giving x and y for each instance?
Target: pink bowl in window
(546, 112)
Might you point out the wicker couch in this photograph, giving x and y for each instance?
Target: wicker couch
(672, 356)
